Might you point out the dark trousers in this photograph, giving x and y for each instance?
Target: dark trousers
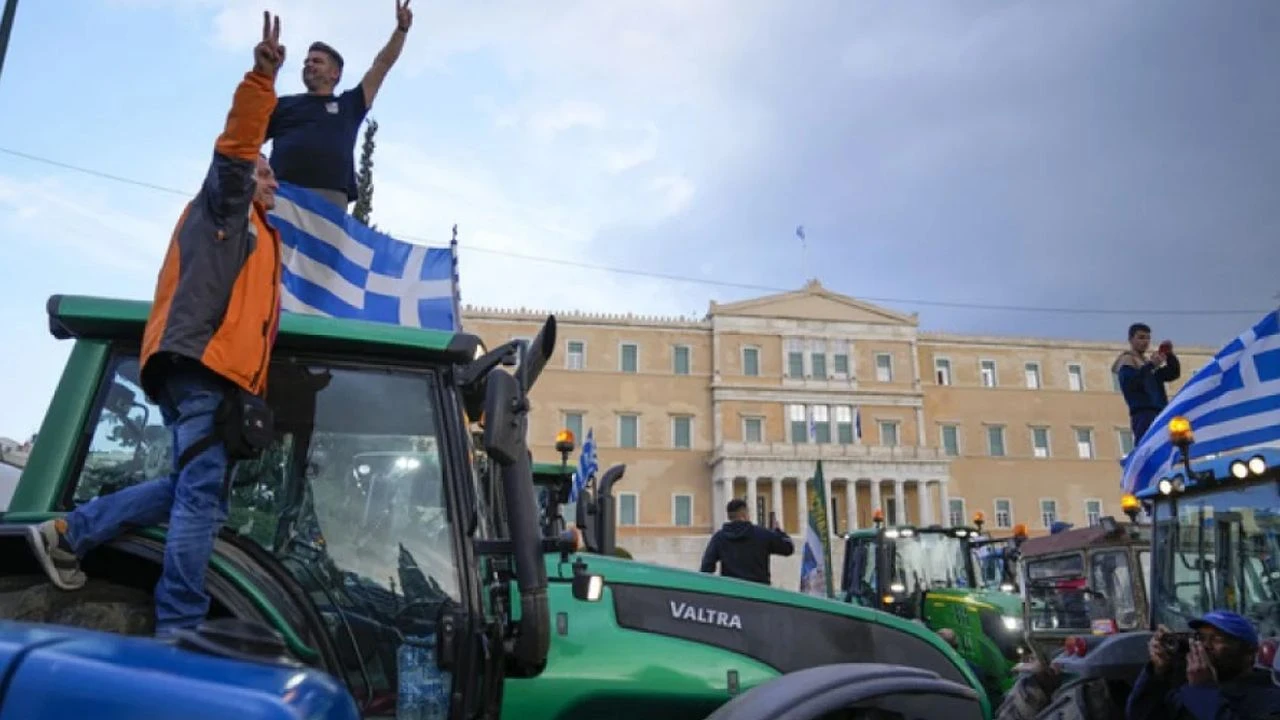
(1139, 422)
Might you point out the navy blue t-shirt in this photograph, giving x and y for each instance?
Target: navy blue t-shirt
(314, 138)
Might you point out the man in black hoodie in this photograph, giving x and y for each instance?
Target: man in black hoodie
(743, 548)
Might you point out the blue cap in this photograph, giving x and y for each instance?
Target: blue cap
(1228, 623)
(1059, 526)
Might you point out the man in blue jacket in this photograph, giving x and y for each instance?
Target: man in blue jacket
(1219, 681)
(1142, 378)
(742, 548)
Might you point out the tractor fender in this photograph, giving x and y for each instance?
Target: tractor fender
(815, 692)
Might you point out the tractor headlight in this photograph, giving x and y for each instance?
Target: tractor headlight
(1012, 624)
(1006, 587)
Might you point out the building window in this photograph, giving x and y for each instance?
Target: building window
(1075, 377)
(1033, 376)
(821, 423)
(1124, 436)
(840, 359)
(942, 371)
(844, 425)
(576, 355)
(628, 358)
(1040, 442)
(955, 512)
(818, 359)
(628, 431)
(796, 419)
(1092, 512)
(1004, 513)
(987, 368)
(884, 367)
(1048, 513)
(628, 508)
(891, 511)
(889, 433)
(753, 429)
(950, 440)
(680, 360)
(795, 359)
(995, 440)
(1084, 443)
(573, 422)
(682, 510)
(751, 361)
(682, 432)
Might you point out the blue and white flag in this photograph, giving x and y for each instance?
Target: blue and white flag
(334, 265)
(1232, 403)
(815, 557)
(587, 466)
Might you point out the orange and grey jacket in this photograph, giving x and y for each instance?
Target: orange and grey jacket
(217, 298)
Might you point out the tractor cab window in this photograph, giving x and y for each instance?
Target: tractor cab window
(350, 498)
(1218, 550)
(923, 561)
(1111, 580)
(1058, 592)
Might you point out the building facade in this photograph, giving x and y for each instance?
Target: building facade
(928, 427)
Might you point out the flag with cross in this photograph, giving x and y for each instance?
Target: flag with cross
(334, 265)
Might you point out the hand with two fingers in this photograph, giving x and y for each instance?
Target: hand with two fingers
(404, 16)
(268, 55)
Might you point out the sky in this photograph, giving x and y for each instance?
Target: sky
(1089, 163)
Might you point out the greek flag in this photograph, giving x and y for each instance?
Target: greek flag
(587, 466)
(334, 265)
(1232, 403)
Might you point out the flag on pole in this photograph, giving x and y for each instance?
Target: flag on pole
(587, 466)
(815, 563)
(1233, 402)
(334, 265)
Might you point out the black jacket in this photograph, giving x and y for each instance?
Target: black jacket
(743, 548)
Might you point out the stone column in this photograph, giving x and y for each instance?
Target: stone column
(802, 504)
(922, 497)
(900, 500)
(720, 490)
(945, 501)
(751, 498)
(851, 504)
(776, 486)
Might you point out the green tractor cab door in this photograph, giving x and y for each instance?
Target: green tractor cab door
(855, 690)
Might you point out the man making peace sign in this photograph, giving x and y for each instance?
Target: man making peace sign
(222, 253)
(314, 134)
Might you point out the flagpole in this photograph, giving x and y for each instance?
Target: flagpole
(6, 28)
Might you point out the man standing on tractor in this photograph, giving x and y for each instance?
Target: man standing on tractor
(202, 365)
(1215, 679)
(314, 133)
(1142, 378)
(742, 548)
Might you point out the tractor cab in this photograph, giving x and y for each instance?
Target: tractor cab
(997, 561)
(1086, 581)
(593, 510)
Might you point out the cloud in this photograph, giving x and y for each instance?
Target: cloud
(567, 115)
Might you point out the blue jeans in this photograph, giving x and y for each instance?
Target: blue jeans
(192, 501)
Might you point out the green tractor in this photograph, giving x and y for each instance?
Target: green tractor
(929, 575)
(391, 532)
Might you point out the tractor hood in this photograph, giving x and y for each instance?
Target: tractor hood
(68, 672)
(1006, 604)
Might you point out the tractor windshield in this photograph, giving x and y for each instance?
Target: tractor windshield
(1066, 594)
(926, 560)
(1218, 550)
(350, 497)
(995, 570)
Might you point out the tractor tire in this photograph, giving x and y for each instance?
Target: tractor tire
(99, 605)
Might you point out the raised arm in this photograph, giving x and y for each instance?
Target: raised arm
(388, 55)
(228, 186)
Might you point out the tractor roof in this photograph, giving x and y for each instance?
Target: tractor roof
(78, 316)
(1080, 538)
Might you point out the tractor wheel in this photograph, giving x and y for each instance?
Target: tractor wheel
(99, 605)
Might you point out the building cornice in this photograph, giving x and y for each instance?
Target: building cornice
(851, 396)
(1015, 342)
(581, 319)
